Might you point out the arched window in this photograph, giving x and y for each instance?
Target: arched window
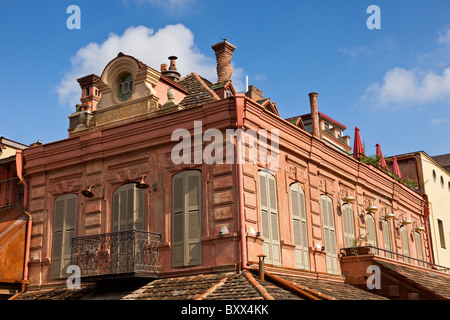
(405, 246)
(187, 218)
(371, 232)
(299, 229)
(64, 228)
(269, 218)
(387, 238)
(329, 234)
(349, 225)
(128, 208)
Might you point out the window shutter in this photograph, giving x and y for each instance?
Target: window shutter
(140, 210)
(130, 212)
(115, 208)
(349, 225)
(193, 205)
(178, 221)
(405, 246)
(269, 218)
(329, 235)
(300, 236)
(387, 238)
(64, 229)
(419, 248)
(371, 232)
(123, 209)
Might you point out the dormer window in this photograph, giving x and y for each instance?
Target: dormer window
(125, 87)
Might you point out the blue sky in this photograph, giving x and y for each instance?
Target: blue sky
(393, 83)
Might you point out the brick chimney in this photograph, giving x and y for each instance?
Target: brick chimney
(90, 94)
(314, 114)
(224, 53)
(254, 93)
(172, 73)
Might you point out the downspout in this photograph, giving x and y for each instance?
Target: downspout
(19, 168)
(240, 102)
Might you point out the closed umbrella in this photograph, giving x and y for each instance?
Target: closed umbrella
(395, 168)
(358, 149)
(379, 155)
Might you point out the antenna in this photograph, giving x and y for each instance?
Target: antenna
(246, 84)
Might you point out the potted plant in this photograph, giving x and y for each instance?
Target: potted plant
(356, 248)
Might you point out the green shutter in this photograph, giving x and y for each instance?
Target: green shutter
(178, 220)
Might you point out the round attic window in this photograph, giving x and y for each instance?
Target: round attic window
(125, 87)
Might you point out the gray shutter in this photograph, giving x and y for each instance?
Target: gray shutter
(405, 246)
(274, 228)
(298, 212)
(329, 235)
(122, 209)
(419, 248)
(371, 232)
(193, 210)
(115, 209)
(265, 224)
(349, 225)
(178, 220)
(64, 229)
(140, 209)
(387, 238)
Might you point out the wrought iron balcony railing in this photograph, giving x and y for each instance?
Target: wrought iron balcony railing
(11, 192)
(126, 253)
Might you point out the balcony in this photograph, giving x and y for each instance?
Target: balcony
(11, 193)
(131, 253)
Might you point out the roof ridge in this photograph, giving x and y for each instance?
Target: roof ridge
(259, 288)
(200, 80)
(212, 289)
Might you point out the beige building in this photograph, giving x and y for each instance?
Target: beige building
(434, 181)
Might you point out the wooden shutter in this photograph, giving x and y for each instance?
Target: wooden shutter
(186, 218)
(405, 246)
(269, 218)
(178, 220)
(387, 238)
(193, 210)
(371, 232)
(64, 229)
(349, 225)
(329, 235)
(298, 213)
(128, 208)
(419, 247)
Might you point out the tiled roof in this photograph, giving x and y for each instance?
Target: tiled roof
(199, 90)
(218, 286)
(432, 282)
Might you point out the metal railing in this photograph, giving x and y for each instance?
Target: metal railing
(11, 192)
(123, 252)
(405, 258)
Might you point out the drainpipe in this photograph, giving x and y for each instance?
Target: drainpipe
(19, 168)
(240, 102)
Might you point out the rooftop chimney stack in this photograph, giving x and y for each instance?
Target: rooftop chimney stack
(224, 52)
(172, 73)
(90, 94)
(314, 114)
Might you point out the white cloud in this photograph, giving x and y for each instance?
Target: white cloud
(439, 121)
(171, 7)
(152, 48)
(401, 87)
(354, 51)
(444, 36)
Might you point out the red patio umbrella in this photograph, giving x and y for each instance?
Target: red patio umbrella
(395, 168)
(358, 149)
(379, 154)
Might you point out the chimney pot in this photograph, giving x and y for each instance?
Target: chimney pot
(224, 52)
(172, 73)
(163, 67)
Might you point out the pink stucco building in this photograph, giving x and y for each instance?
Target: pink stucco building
(170, 195)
